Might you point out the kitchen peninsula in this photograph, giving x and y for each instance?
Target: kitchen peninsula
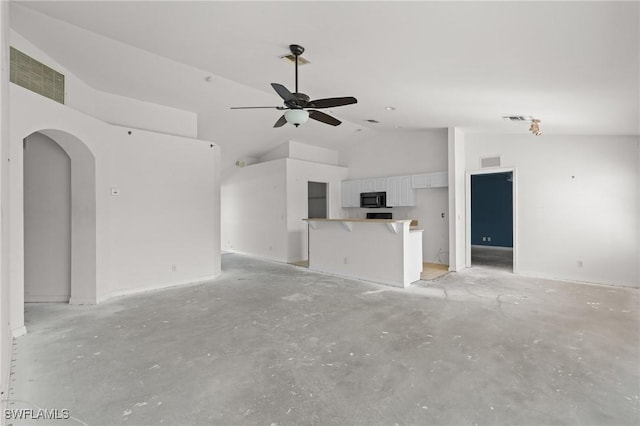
(385, 251)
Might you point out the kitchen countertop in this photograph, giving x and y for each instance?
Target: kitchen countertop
(359, 220)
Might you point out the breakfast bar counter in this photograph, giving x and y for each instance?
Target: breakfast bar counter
(386, 251)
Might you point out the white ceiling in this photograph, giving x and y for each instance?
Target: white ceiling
(574, 65)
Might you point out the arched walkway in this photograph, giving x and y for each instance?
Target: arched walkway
(83, 216)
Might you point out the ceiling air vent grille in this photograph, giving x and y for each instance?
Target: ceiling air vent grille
(36, 76)
(517, 118)
(490, 162)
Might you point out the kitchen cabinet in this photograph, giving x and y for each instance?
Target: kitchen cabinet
(351, 190)
(399, 191)
(393, 191)
(407, 193)
(421, 181)
(368, 185)
(374, 185)
(380, 184)
(439, 180)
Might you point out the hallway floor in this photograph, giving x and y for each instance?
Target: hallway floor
(274, 344)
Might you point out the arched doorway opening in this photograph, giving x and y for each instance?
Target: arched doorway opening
(59, 219)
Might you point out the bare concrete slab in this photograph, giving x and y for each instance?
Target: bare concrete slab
(276, 344)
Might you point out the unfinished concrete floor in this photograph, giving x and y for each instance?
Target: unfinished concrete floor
(277, 344)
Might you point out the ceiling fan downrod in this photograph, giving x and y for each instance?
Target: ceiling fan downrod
(296, 50)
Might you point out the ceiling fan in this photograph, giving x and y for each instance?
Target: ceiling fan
(299, 107)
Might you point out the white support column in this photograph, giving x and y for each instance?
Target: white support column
(457, 216)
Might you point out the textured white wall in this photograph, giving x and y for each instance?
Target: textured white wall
(167, 213)
(111, 108)
(5, 306)
(578, 200)
(401, 153)
(47, 221)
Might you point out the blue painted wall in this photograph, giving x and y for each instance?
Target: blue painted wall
(492, 209)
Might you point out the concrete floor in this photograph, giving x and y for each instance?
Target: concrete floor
(276, 344)
(492, 257)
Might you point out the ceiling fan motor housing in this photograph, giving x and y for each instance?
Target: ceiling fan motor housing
(296, 49)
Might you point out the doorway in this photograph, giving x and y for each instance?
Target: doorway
(491, 219)
(47, 220)
(317, 200)
(317, 208)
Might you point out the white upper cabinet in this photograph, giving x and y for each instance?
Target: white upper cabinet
(368, 185)
(380, 184)
(421, 181)
(400, 189)
(393, 191)
(439, 180)
(351, 190)
(407, 193)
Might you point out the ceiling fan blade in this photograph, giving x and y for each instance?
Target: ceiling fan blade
(284, 92)
(281, 122)
(270, 107)
(325, 118)
(332, 102)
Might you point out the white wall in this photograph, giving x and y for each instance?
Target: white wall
(5, 334)
(169, 186)
(578, 200)
(299, 173)
(401, 153)
(253, 203)
(111, 108)
(301, 151)
(164, 226)
(263, 206)
(47, 221)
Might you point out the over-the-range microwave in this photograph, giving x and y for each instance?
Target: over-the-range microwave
(373, 199)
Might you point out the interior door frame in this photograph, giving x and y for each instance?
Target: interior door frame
(327, 189)
(514, 189)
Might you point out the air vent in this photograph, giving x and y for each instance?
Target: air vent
(292, 59)
(490, 162)
(517, 118)
(36, 76)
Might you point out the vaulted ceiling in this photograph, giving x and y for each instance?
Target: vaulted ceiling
(574, 65)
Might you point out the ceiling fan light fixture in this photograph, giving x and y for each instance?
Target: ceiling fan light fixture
(296, 116)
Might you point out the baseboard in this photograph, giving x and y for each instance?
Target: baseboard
(269, 259)
(46, 299)
(129, 292)
(569, 280)
(79, 301)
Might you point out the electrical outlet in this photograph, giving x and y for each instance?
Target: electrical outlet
(346, 260)
(484, 238)
(579, 263)
(488, 238)
(173, 267)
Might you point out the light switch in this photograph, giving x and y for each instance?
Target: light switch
(115, 192)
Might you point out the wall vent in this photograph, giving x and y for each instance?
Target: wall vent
(490, 162)
(35, 76)
(517, 118)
